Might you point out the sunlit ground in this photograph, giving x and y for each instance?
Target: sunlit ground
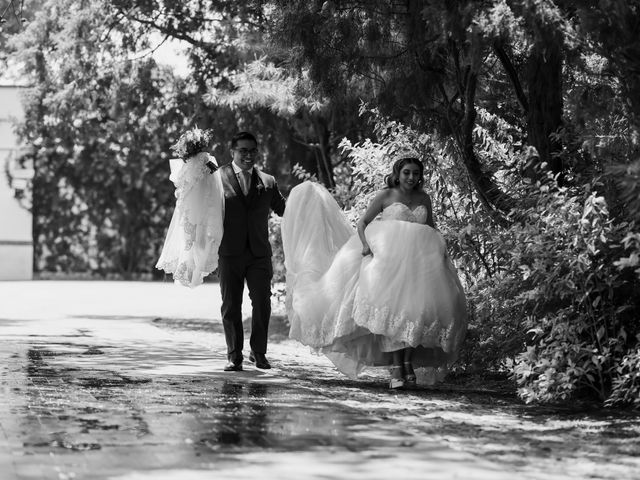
(124, 381)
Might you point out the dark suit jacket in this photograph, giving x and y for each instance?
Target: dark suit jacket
(246, 218)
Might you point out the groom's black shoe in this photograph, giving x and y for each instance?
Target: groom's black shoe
(260, 360)
(233, 366)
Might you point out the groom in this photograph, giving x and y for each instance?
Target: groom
(245, 252)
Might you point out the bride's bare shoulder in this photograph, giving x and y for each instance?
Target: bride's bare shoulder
(385, 197)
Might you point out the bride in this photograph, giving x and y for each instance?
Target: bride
(386, 293)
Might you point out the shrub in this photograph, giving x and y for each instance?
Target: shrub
(277, 259)
(552, 288)
(568, 295)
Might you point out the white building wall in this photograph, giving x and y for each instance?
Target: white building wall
(16, 239)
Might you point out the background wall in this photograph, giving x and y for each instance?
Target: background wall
(16, 241)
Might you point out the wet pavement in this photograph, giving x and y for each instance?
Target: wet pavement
(117, 380)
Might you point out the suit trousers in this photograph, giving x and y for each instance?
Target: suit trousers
(233, 271)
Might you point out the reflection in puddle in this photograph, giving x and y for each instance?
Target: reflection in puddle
(143, 400)
(241, 421)
(81, 401)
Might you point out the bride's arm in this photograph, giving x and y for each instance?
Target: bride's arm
(374, 208)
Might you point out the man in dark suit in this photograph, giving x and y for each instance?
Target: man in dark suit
(245, 251)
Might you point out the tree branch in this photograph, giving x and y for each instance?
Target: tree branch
(169, 31)
(512, 74)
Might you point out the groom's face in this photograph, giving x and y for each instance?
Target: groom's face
(245, 154)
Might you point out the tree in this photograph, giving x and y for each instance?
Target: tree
(432, 64)
(521, 98)
(315, 122)
(229, 47)
(12, 20)
(101, 126)
(409, 62)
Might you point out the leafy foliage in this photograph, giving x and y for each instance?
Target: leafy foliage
(496, 96)
(525, 114)
(626, 383)
(100, 127)
(275, 238)
(262, 84)
(577, 307)
(549, 297)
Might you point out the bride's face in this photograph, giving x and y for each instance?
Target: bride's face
(409, 176)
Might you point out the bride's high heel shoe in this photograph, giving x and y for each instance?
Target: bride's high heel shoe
(397, 381)
(409, 375)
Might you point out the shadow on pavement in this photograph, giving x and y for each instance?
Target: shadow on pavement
(104, 396)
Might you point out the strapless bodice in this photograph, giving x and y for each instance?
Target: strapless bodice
(399, 211)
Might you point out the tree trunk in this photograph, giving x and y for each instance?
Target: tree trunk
(323, 152)
(545, 101)
(310, 147)
(462, 122)
(37, 197)
(489, 193)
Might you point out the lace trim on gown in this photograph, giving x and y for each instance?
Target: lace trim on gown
(399, 329)
(400, 211)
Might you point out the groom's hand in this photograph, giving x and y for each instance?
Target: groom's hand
(211, 166)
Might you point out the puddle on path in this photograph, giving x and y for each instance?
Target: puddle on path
(68, 400)
(146, 395)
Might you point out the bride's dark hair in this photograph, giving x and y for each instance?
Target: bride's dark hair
(393, 178)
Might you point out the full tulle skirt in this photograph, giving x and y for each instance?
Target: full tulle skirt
(355, 309)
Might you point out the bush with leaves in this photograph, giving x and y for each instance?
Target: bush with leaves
(551, 296)
(100, 126)
(277, 259)
(458, 215)
(558, 283)
(625, 389)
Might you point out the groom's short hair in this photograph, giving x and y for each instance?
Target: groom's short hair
(242, 136)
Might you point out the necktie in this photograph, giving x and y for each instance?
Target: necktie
(245, 181)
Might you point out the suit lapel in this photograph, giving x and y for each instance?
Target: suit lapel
(233, 181)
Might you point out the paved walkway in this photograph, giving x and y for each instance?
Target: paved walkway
(117, 380)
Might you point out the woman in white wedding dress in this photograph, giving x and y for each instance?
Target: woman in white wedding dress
(386, 293)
